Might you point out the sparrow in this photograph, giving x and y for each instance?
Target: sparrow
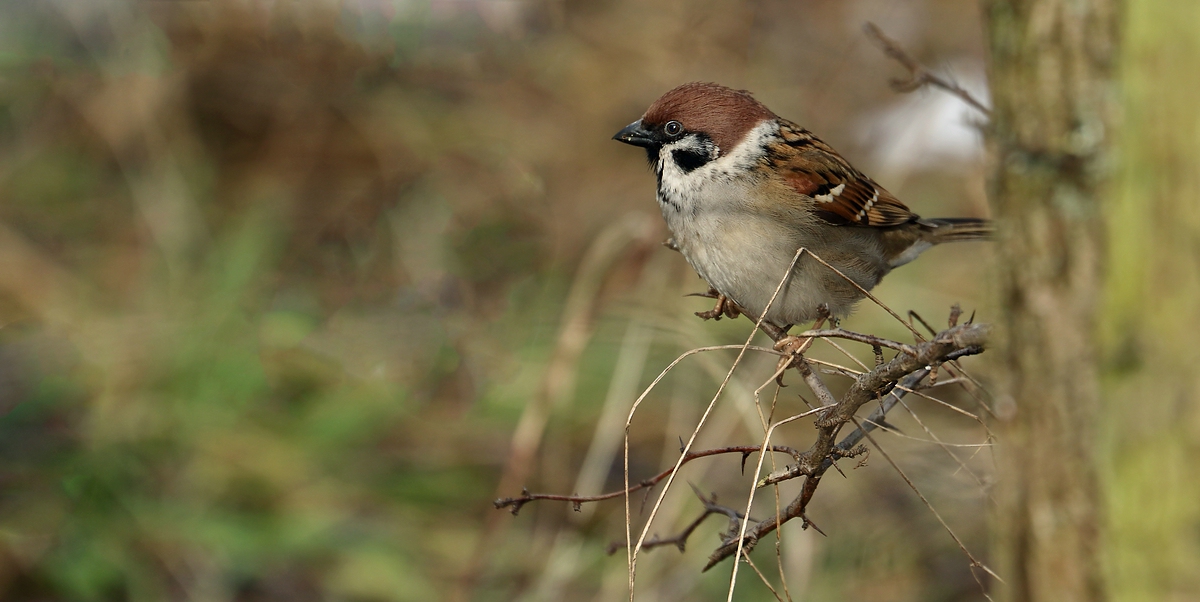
(742, 190)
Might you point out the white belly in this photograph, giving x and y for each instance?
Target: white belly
(748, 257)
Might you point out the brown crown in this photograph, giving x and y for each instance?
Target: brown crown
(724, 114)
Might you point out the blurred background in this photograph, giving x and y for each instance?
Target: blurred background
(291, 291)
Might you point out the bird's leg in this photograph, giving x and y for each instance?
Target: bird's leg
(725, 306)
(793, 345)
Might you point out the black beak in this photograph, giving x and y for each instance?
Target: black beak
(636, 135)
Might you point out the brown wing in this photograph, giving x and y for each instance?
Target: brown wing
(843, 195)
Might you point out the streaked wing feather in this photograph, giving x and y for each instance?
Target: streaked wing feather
(843, 195)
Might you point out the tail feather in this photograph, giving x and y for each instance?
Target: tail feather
(957, 229)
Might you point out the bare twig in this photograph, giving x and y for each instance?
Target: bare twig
(910, 382)
(739, 535)
(763, 577)
(815, 383)
(975, 563)
(867, 387)
(912, 315)
(887, 383)
(869, 339)
(846, 446)
(633, 548)
(679, 540)
(516, 503)
(919, 75)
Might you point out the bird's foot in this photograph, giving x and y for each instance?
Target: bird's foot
(824, 315)
(725, 307)
(793, 346)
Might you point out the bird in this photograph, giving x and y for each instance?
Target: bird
(742, 190)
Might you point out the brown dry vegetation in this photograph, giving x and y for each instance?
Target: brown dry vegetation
(278, 282)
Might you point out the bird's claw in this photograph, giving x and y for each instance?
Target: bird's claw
(725, 307)
(793, 346)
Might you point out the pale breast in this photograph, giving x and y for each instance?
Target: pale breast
(746, 256)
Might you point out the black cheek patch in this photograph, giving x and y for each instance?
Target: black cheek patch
(688, 160)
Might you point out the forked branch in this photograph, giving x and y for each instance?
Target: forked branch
(516, 503)
(887, 383)
(958, 341)
(679, 540)
(918, 75)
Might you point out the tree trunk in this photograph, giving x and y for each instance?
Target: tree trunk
(1053, 64)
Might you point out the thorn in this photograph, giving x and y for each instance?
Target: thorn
(808, 523)
(839, 469)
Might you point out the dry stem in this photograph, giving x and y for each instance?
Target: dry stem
(956, 341)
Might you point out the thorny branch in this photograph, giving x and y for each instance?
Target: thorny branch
(887, 383)
(516, 503)
(958, 341)
(711, 507)
(910, 382)
(846, 447)
(919, 75)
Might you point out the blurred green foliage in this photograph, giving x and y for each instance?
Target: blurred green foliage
(1152, 418)
(279, 281)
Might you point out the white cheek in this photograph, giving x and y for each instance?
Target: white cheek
(688, 188)
(679, 184)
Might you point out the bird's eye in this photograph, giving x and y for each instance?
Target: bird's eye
(673, 128)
